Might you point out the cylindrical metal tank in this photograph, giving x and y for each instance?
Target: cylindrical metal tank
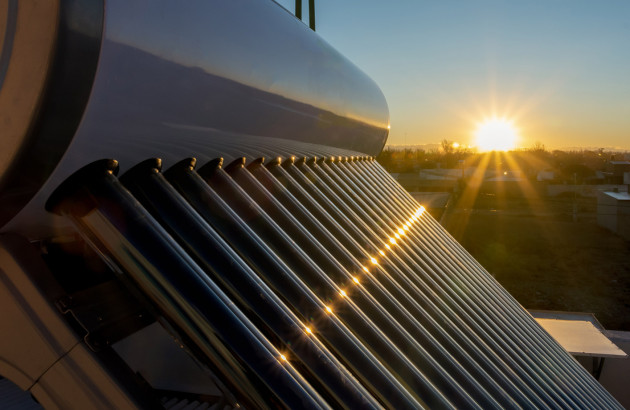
(132, 80)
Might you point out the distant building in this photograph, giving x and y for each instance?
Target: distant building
(615, 171)
(545, 175)
(613, 212)
(618, 167)
(506, 176)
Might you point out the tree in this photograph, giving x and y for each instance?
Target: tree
(447, 146)
(538, 147)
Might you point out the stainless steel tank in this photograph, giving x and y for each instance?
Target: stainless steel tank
(85, 80)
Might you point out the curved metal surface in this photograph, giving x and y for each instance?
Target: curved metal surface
(51, 62)
(214, 79)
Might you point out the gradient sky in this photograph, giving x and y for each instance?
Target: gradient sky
(559, 69)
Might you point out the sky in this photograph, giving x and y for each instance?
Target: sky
(559, 70)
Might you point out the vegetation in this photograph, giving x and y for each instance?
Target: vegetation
(567, 166)
(547, 261)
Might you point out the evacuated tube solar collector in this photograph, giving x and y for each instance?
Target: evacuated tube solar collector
(311, 280)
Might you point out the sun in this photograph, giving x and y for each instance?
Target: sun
(496, 134)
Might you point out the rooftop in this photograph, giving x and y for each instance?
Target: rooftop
(620, 196)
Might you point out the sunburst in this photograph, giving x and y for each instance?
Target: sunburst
(496, 134)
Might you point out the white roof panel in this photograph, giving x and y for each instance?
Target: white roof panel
(580, 337)
(620, 196)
